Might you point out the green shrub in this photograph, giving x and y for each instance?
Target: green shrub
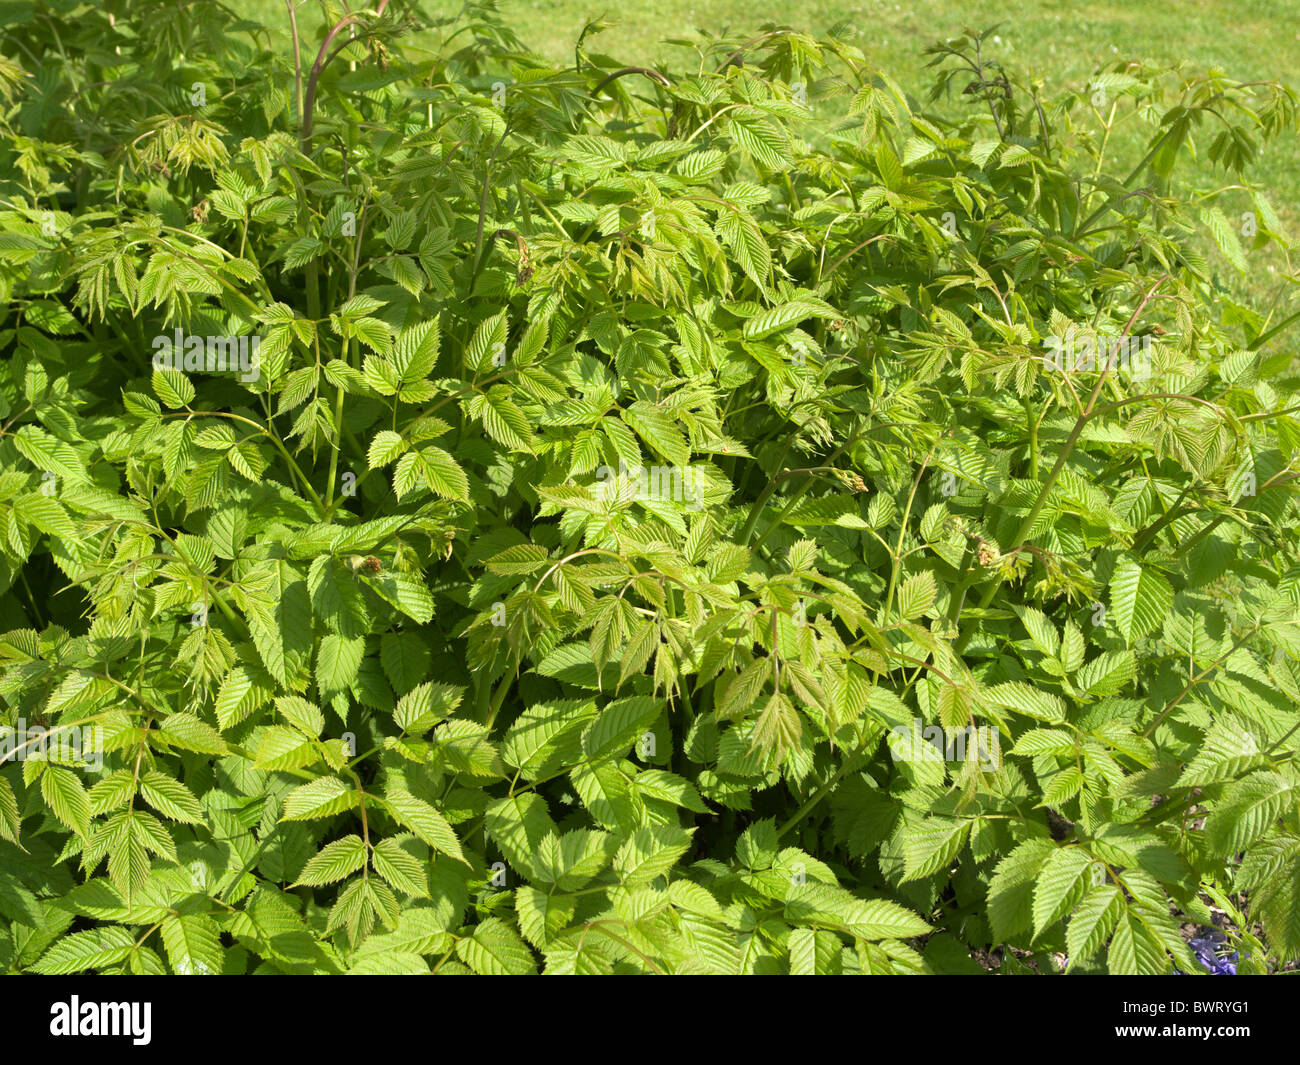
(628, 482)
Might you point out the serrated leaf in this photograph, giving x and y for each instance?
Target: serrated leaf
(335, 861)
(1139, 600)
(426, 822)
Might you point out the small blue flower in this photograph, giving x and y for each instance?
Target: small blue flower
(1206, 948)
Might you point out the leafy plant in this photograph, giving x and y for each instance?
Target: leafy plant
(628, 478)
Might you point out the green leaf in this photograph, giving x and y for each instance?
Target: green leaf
(1046, 741)
(95, 948)
(760, 139)
(617, 728)
(384, 448)
(1061, 883)
(400, 868)
(442, 473)
(777, 727)
(322, 797)
(335, 861)
(193, 944)
(1108, 673)
(1010, 892)
(286, 749)
(786, 314)
(869, 919)
(487, 344)
(916, 595)
(1027, 699)
(302, 715)
(571, 860)
(518, 824)
(649, 853)
(170, 798)
(1134, 951)
(243, 691)
(503, 419)
(1246, 811)
(338, 662)
(424, 706)
(406, 592)
(932, 845)
(1139, 600)
(336, 597)
(1092, 922)
(424, 821)
(405, 659)
(495, 949)
(66, 797)
(745, 239)
(191, 733)
(10, 819)
(416, 350)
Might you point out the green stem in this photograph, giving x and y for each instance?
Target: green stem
(1034, 423)
(338, 433)
(902, 529)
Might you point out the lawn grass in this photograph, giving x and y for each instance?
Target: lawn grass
(1063, 41)
(1060, 41)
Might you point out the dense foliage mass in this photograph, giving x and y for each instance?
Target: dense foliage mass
(464, 515)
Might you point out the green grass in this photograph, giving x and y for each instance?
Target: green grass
(1061, 41)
